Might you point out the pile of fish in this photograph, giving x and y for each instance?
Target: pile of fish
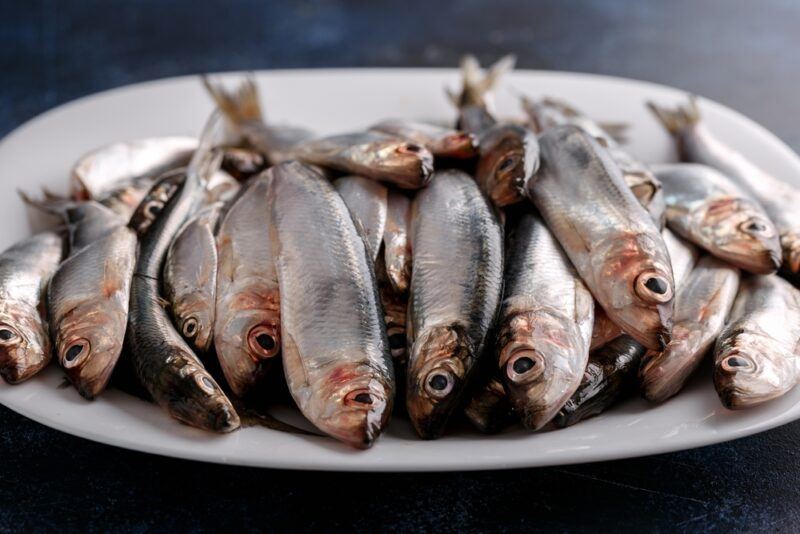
(501, 271)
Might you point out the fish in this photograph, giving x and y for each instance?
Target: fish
(247, 329)
(335, 353)
(696, 143)
(366, 200)
(87, 307)
(442, 142)
(610, 374)
(164, 363)
(508, 152)
(190, 277)
(702, 305)
(243, 110)
(709, 210)
(755, 357)
(545, 325)
(373, 155)
(548, 112)
(614, 244)
(242, 163)
(396, 243)
(489, 409)
(107, 168)
(455, 291)
(221, 188)
(25, 270)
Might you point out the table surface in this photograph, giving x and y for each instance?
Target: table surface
(742, 54)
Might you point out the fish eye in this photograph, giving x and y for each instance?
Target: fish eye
(508, 163)
(439, 383)
(525, 366)
(397, 341)
(75, 352)
(205, 383)
(7, 335)
(653, 288)
(410, 147)
(189, 328)
(262, 342)
(755, 227)
(736, 363)
(359, 397)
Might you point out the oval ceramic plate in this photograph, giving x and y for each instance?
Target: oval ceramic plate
(42, 151)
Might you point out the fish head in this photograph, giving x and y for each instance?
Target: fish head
(509, 159)
(663, 373)
(636, 286)
(194, 397)
(154, 201)
(88, 340)
(390, 155)
(24, 342)
(194, 315)
(440, 360)
(737, 230)
(354, 402)
(247, 334)
(790, 243)
(542, 358)
(752, 370)
(459, 145)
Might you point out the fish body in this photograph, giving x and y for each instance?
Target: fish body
(164, 363)
(335, 350)
(247, 325)
(509, 157)
(87, 303)
(610, 373)
(396, 242)
(190, 277)
(696, 143)
(454, 294)
(756, 356)
(366, 201)
(549, 112)
(545, 324)
(708, 209)
(109, 167)
(440, 141)
(25, 270)
(614, 244)
(702, 305)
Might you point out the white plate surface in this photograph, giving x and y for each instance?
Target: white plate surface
(42, 151)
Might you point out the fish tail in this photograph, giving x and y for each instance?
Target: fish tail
(240, 104)
(677, 119)
(51, 203)
(477, 85)
(618, 131)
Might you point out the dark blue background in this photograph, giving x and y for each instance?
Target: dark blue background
(744, 54)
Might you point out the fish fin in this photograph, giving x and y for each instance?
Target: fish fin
(616, 130)
(51, 204)
(478, 85)
(678, 118)
(562, 106)
(240, 104)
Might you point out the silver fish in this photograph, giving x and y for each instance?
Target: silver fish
(509, 153)
(756, 358)
(190, 277)
(242, 108)
(440, 141)
(778, 198)
(545, 324)
(247, 326)
(87, 304)
(549, 112)
(366, 201)
(613, 243)
(455, 292)
(708, 209)
(335, 349)
(702, 305)
(396, 243)
(163, 362)
(25, 271)
(108, 167)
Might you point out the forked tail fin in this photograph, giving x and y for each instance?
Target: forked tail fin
(677, 119)
(477, 85)
(240, 104)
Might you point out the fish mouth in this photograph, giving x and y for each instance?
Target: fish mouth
(223, 419)
(462, 145)
(763, 260)
(361, 416)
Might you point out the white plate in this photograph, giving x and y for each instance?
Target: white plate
(42, 151)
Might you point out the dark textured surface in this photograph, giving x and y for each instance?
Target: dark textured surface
(743, 54)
